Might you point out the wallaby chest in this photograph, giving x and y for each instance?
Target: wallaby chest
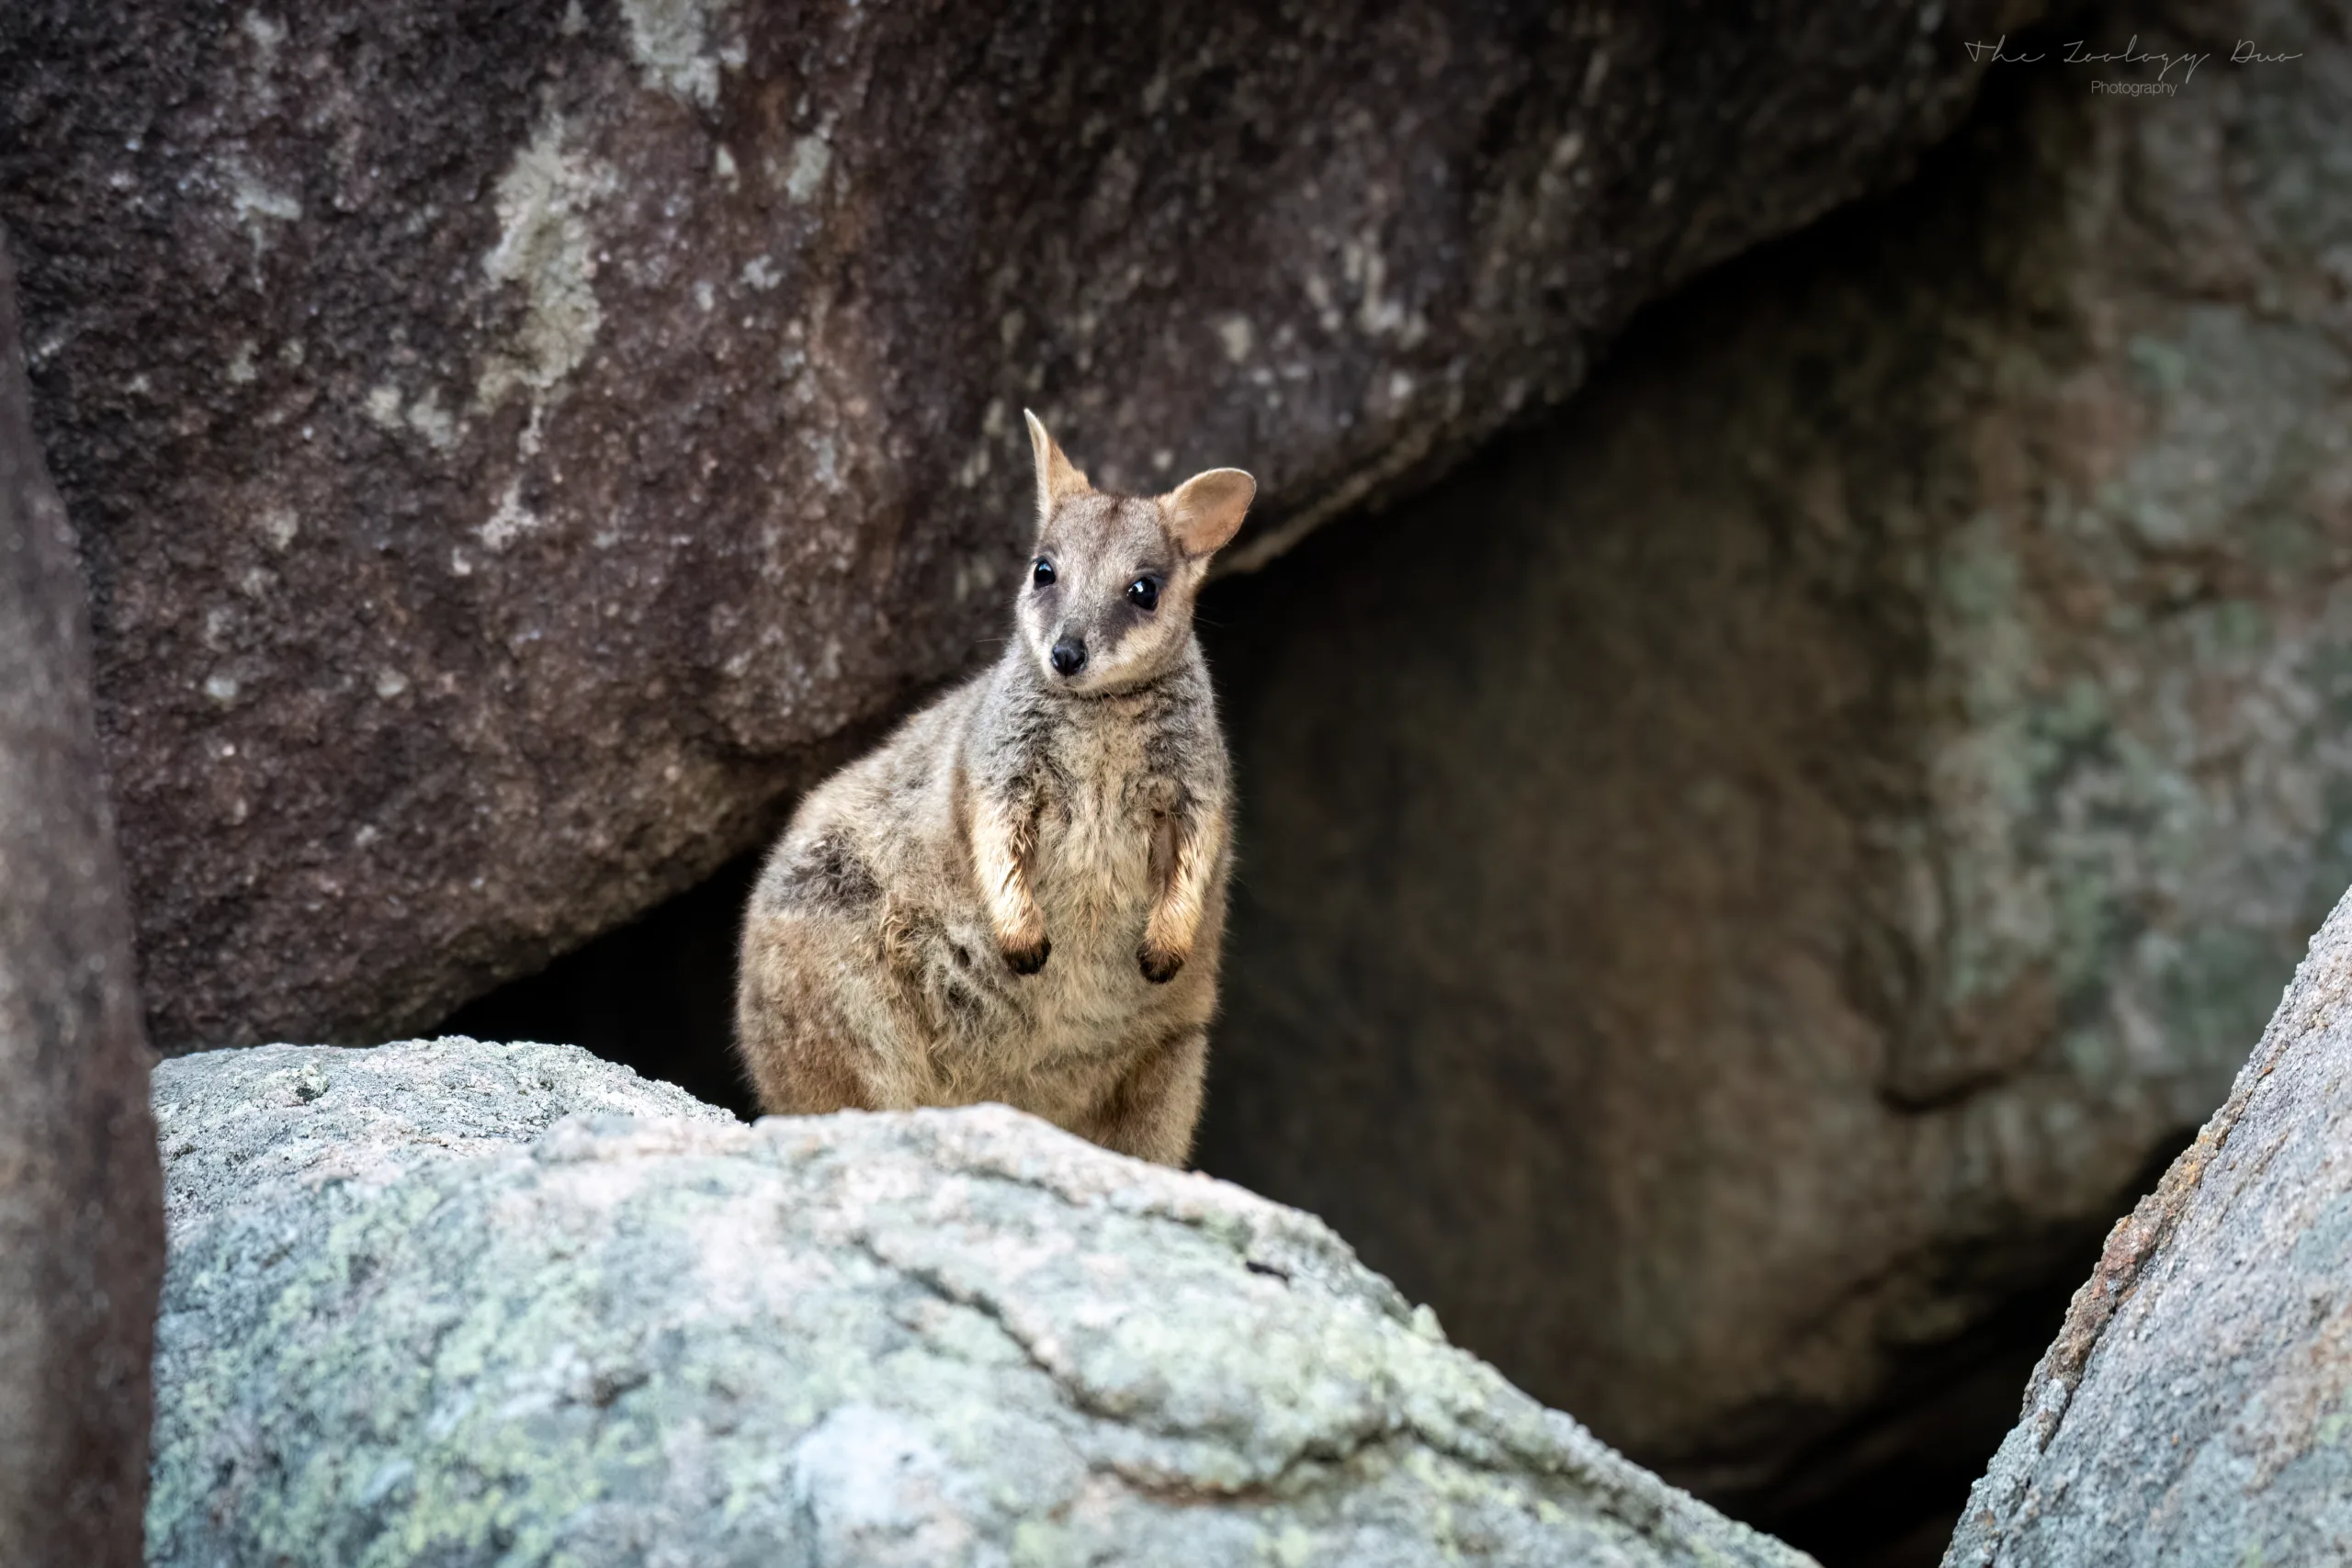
(1107, 790)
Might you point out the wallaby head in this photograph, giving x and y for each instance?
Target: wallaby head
(1107, 603)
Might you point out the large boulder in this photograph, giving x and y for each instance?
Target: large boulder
(450, 1303)
(516, 444)
(81, 1229)
(1737, 889)
(2193, 1409)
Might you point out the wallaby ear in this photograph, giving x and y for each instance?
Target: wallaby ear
(1207, 510)
(1057, 477)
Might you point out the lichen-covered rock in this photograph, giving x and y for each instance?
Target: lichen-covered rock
(438, 1303)
(234, 1130)
(1792, 847)
(2196, 1406)
(514, 441)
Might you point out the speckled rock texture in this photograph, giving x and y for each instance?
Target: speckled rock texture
(1789, 850)
(517, 444)
(450, 1303)
(81, 1231)
(2195, 1407)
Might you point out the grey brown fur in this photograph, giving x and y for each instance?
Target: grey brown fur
(1019, 897)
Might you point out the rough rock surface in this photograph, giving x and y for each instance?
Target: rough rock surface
(81, 1236)
(515, 443)
(2195, 1406)
(436, 1302)
(1742, 884)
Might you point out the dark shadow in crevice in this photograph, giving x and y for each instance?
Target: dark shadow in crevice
(1938, 1425)
(657, 995)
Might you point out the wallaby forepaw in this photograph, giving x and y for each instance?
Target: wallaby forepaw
(1030, 957)
(1158, 965)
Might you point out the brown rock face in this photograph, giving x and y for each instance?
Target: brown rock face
(514, 444)
(81, 1209)
(1733, 886)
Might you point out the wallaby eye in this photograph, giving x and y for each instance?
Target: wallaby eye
(1042, 574)
(1144, 593)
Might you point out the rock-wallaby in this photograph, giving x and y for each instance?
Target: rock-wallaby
(1020, 894)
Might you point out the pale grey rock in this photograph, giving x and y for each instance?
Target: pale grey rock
(2197, 1406)
(252, 1121)
(444, 1302)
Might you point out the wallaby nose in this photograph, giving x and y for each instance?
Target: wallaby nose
(1069, 656)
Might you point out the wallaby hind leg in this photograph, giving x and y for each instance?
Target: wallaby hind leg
(798, 1026)
(1150, 1113)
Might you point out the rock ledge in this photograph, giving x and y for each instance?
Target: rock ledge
(458, 1303)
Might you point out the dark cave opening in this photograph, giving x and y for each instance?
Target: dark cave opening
(657, 995)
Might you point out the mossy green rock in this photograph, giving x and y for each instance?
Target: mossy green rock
(448, 1303)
